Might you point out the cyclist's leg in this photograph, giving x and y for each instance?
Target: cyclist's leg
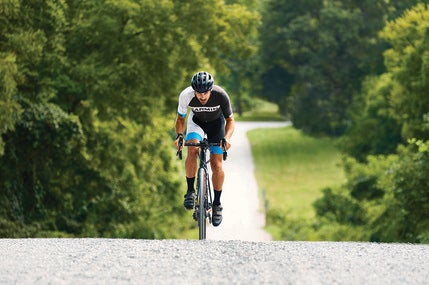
(194, 134)
(217, 170)
(215, 133)
(217, 179)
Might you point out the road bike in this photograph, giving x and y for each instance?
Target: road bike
(203, 200)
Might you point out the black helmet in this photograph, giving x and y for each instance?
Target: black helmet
(202, 81)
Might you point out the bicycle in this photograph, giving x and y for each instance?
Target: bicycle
(203, 200)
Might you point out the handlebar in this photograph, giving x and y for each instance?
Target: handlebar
(204, 144)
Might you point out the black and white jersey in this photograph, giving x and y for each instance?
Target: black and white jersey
(217, 105)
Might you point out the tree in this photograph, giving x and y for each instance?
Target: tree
(406, 214)
(372, 130)
(316, 54)
(393, 107)
(390, 186)
(276, 55)
(408, 63)
(97, 82)
(37, 183)
(9, 107)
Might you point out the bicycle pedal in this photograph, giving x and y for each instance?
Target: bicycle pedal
(195, 215)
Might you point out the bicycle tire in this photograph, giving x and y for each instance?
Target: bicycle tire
(202, 184)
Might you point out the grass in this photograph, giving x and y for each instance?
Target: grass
(292, 168)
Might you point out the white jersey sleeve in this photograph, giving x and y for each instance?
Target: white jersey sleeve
(184, 98)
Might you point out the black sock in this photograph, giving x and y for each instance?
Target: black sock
(190, 182)
(216, 200)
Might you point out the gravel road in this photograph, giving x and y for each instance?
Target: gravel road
(118, 261)
(240, 251)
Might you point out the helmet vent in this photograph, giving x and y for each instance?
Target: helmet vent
(202, 81)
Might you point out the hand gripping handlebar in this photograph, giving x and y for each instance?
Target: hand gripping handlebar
(204, 144)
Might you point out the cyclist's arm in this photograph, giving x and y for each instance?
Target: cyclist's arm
(229, 130)
(182, 109)
(228, 115)
(180, 124)
(180, 128)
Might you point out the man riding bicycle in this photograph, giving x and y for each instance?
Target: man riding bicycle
(210, 114)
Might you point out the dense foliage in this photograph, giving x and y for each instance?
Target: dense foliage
(315, 55)
(88, 91)
(87, 97)
(359, 70)
(389, 180)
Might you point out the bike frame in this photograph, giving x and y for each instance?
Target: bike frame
(204, 195)
(203, 200)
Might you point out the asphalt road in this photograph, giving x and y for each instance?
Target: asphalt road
(119, 261)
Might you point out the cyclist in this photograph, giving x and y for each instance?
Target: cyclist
(210, 114)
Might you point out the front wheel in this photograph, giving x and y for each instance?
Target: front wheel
(202, 190)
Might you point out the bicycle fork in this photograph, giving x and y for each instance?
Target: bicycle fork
(206, 196)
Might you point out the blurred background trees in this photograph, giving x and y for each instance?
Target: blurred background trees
(88, 97)
(88, 92)
(357, 70)
(387, 141)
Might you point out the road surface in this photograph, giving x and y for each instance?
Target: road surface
(119, 261)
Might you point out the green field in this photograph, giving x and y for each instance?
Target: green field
(292, 168)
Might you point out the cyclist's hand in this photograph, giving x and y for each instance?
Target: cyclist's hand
(179, 142)
(227, 143)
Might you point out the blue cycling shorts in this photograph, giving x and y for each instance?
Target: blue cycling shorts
(215, 131)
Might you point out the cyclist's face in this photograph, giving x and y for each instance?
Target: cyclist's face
(203, 97)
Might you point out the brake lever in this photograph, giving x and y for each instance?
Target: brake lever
(225, 154)
(179, 151)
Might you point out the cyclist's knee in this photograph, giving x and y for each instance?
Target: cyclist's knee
(193, 152)
(216, 165)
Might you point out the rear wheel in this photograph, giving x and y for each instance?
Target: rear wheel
(201, 203)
